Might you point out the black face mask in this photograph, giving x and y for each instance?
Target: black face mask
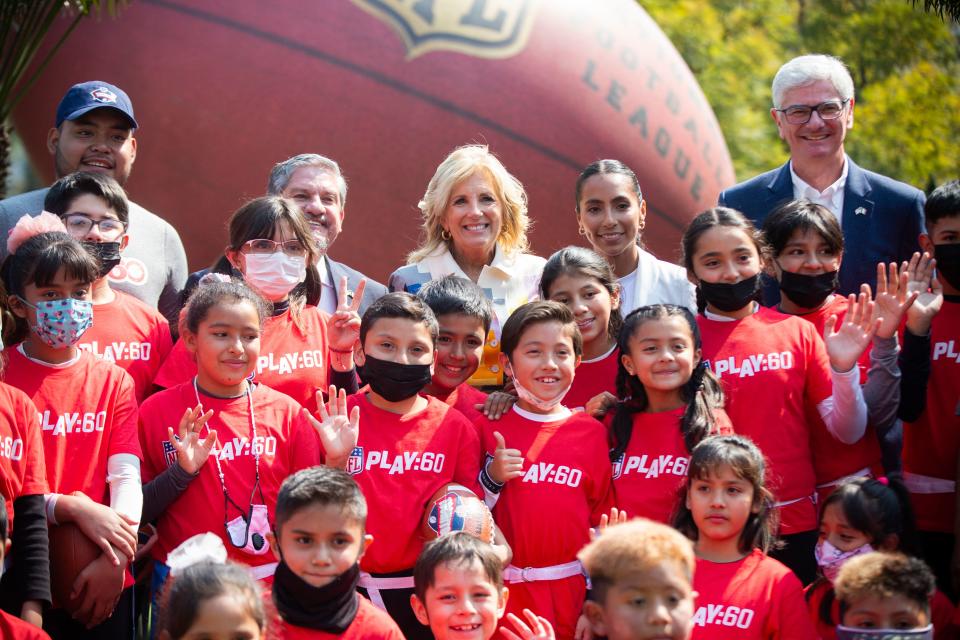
(330, 608)
(394, 381)
(106, 253)
(730, 297)
(948, 263)
(808, 292)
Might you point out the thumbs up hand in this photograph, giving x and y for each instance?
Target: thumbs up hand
(507, 464)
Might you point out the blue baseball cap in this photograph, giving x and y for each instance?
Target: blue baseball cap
(87, 96)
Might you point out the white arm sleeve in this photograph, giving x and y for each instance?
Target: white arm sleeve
(126, 494)
(50, 504)
(845, 412)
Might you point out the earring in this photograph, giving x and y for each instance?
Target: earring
(444, 234)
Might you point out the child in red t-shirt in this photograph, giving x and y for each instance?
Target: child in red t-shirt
(931, 439)
(775, 369)
(641, 573)
(11, 627)
(302, 348)
(725, 509)
(410, 446)
(261, 435)
(584, 281)
(463, 316)
(87, 415)
(23, 483)
(460, 594)
(544, 460)
(806, 245)
(319, 538)
(674, 402)
(864, 515)
(125, 331)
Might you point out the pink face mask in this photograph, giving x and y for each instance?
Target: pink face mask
(831, 559)
(249, 533)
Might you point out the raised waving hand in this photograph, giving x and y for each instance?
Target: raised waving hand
(338, 431)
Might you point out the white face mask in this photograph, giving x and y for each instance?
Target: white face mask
(274, 275)
(542, 404)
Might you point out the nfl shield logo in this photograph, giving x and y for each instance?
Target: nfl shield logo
(355, 461)
(618, 467)
(480, 28)
(169, 453)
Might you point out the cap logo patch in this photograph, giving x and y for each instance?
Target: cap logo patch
(102, 94)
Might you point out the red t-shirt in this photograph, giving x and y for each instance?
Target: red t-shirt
(370, 623)
(593, 378)
(133, 336)
(292, 360)
(932, 443)
(464, 399)
(287, 440)
(12, 628)
(399, 463)
(649, 474)
(546, 514)
(87, 413)
(832, 459)
(22, 468)
(773, 368)
(756, 597)
(942, 612)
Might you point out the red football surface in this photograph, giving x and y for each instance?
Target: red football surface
(70, 552)
(455, 508)
(223, 89)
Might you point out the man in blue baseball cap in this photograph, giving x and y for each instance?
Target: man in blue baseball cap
(94, 132)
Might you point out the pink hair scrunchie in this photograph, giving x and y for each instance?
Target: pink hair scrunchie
(29, 226)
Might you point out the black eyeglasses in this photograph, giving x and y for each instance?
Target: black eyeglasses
(801, 113)
(81, 226)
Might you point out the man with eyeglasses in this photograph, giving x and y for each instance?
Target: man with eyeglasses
(94, 133)
(881, 218)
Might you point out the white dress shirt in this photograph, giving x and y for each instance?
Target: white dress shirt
(831, 197)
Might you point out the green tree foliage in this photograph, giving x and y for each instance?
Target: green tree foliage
(904, 61)
(25, 26)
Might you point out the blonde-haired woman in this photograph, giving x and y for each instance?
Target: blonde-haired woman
(475, 226)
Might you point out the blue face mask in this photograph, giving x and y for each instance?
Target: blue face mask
(61, 323)
(851, 633)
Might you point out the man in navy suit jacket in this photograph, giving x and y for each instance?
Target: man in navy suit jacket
(882, 219)
(317, 186)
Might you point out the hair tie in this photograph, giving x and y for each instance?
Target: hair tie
(203, 547)
(29, 226)
(884, 481)
(213, 277)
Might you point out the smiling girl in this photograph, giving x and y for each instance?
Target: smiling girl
(583, 281)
